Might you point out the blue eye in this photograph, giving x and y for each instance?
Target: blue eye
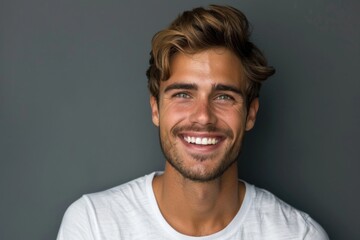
(224, 97)
(182, 95)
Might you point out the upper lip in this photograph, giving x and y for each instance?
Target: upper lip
(217, 136)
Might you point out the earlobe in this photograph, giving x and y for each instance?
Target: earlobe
(251, 116)
(154, 110)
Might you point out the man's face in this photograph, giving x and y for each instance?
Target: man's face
(201, 113)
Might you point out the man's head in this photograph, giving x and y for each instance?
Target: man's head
(204, 79)
(201, 29)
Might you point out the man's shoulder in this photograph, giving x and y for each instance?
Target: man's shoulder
(264, 200)
(127, 194)
(267, 204)
(270, 211)
(129, 191)
(107, 210)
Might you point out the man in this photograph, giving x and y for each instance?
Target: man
(204, 78)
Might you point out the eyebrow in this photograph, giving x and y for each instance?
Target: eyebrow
(193, 86)
(187, 86)
(223, 87)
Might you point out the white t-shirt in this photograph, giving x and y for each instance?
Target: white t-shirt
(130, 211)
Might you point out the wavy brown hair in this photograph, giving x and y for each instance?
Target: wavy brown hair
(202, 29)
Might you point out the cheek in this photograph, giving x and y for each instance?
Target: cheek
(234, 123)
(172, 114)
(234, 119)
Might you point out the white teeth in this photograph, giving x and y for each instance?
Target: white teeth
(200, 141)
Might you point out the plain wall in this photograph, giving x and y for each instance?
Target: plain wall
(75, 117)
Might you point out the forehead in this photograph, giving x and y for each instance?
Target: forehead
(209, 67)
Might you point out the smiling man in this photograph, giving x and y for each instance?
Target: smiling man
(204, 79)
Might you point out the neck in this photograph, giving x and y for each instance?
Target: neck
(198, 208)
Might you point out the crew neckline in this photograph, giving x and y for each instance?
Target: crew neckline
(230, 229)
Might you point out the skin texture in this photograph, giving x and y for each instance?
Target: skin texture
(203, 98)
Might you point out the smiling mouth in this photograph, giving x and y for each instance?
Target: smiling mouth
(201, 140)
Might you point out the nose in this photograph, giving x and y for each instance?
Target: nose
(202, 113)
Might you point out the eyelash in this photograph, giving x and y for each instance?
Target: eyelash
(221, 97)
(181, 95)
(225, 97)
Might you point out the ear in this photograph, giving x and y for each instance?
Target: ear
(154, 110)
(251, 116)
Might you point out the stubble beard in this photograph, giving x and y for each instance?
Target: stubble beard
(174, 158)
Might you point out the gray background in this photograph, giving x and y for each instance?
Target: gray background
(75, 118)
